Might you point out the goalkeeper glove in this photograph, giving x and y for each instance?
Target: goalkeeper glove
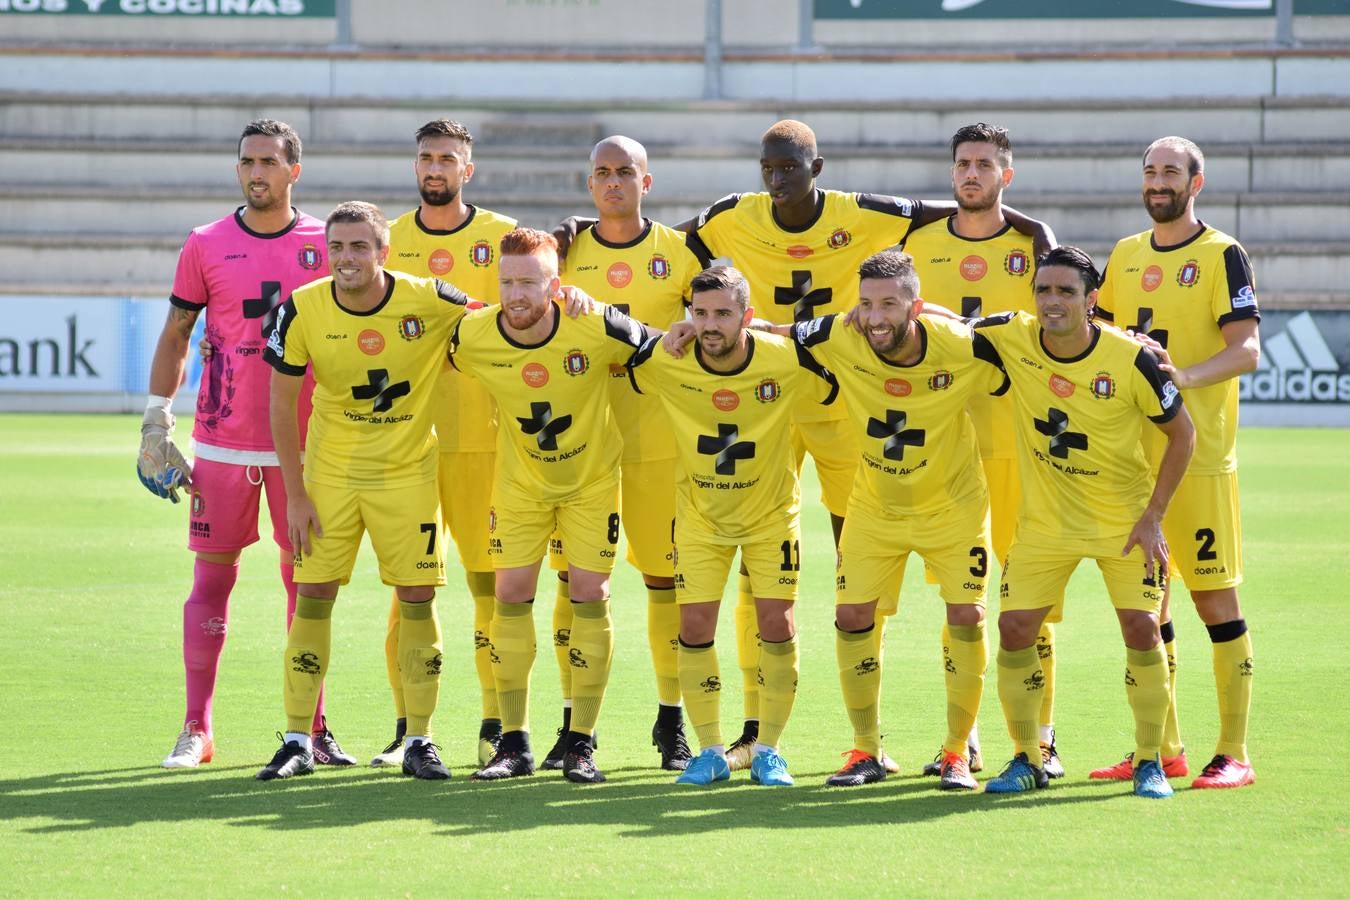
(161, 467)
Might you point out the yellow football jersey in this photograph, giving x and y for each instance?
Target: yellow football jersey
(919, 453)
(467, 258)
(1182, 296)
(978, 278)
(556, 435)
(375, 376)
(798, 274)
(647, 278)
(739, 481)
(1084, 476)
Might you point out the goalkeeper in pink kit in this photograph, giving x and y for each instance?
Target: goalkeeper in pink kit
(238, 270)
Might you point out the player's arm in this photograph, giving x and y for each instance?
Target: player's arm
(984, 350)
(160, 464)
(1240, 354)
(1167, 411)
(566, 231)
(300, 513)
(1043, 239)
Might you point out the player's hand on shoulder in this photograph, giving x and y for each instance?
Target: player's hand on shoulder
(678, 337)
(1164, 359)
(160, 465)
(853, 319)
(576, 302)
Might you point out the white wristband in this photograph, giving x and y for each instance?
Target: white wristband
(154, 401)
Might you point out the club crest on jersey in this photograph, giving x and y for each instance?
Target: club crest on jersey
(198, 504)
(576, 362)
(1151, 278)
(492, 518)
(1189, 273)
(1015, 263)
(480, 254)
(840, 239)
(1062, 386)
(309, 257)
(940, 380)
(658, 266)
(534, 374)
(1103, 386)
(767, 391)
(410, 328)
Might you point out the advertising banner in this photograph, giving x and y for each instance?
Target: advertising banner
(1056, 9)
(257, 9)
(1305, 361)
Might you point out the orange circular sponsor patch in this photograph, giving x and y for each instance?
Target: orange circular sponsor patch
(440, 261)
(534, 374)
(1151, 278)
(973, 268)
(1062, 386)
(370, 341)
(619, 275)
(898, 387)
(726, 400)
(799, 251)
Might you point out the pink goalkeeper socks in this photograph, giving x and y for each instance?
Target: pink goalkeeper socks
(205, 619)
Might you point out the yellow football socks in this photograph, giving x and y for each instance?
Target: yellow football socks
(1171, 740)
(1020, 682)
(1045, 649)
(308, 646)
(663, 637)
(482, 587)
(964, 658)
(1233, 680)
(391, 657)
(562, 636)
(778, 665)
(860, 679)
(591, 651)
(701, 685)
(513, 649)
(419, 641)
(1146, 688)
(747, 646)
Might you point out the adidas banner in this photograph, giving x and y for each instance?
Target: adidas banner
(1304, 375)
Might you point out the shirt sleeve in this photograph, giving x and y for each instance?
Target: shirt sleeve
(708, 239)
(189, 285)
(825, 382)
(286, 351)
(994, 376)
(626, 334)
(451, 294)
(901, 208)
(1106, 296)
(1239, 302)
(1158, 397)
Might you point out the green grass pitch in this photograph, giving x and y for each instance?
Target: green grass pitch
(93, 573)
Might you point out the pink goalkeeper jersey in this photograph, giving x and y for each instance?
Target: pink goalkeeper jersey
(240, 277)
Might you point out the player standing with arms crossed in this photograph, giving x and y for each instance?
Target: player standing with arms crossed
(238, 269)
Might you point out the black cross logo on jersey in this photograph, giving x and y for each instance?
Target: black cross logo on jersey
(727, 447)
(1145, 326)
(264, 306)
(896, 436)
(544, 426)
(802, 297)
(1062, 440)
(380, 390)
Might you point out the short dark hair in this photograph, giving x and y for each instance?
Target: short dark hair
(445, 128)
(892, 264)
(722, 278)
(1195, 159)
(1073, 258)
(274, 129)
(983, 132)
(360, 211)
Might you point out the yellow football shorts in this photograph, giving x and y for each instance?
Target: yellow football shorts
(702, 566)
(835, 450)
(1038, 571)
(404, 527)
(1204, 532)
(587, 524)
(874, 548)
(465, 484)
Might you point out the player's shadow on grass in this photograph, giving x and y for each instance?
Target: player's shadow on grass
(640, 805)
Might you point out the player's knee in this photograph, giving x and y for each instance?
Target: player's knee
(855, 616)
(964, 614)
(1017, 629)
(1139, 629)
(1217, 607)
(658, 583)
(416, 593)
(698, 623)
(230, 558)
